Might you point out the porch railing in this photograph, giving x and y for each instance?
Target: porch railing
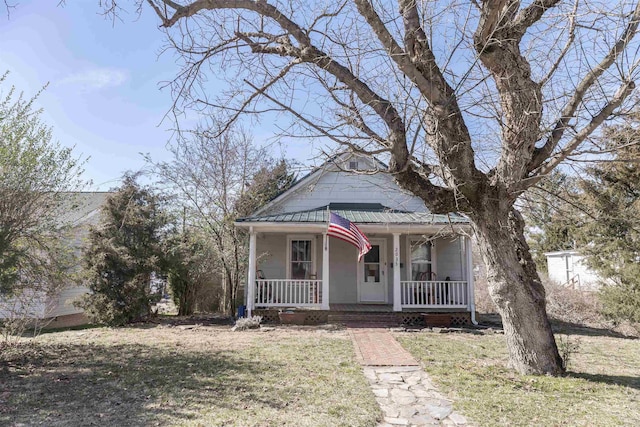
(434, 294)
(288, 292)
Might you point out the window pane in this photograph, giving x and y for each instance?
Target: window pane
(300, 250)
(421, 251)
(421, 271)
(301, 262)
(372, 272)
(300, 270)
(373, 255)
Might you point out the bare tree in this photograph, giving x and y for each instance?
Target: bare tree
(472, 102)
(207, 175)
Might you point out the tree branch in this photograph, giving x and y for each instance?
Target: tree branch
(544, 152)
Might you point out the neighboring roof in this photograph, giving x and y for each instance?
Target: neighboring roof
(562, 253)
(360, 213)
(82, 207)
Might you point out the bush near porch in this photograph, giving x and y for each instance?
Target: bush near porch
(601, 388)
(187, 376)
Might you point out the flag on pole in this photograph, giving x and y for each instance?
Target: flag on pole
(345, 230)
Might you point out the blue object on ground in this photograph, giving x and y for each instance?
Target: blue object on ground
(241, 311)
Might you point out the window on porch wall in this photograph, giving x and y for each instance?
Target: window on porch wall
(301, 261)
(421, 266)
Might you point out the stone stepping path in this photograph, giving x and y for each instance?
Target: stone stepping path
(403, 390)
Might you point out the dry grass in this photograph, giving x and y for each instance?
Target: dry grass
(602, 387)
(160, 375)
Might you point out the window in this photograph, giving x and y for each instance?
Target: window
(372, 264)
(421, 264)
(353, 165)
(301, 258)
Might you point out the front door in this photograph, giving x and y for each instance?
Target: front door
(372, 274)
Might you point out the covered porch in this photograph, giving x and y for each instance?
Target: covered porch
(418, 262)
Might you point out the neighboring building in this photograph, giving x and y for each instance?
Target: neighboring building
(418, 262)
(569, 269)
(81, 212)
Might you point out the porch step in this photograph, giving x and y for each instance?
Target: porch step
(365, 319)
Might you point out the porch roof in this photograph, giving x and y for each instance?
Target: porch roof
(360, 213)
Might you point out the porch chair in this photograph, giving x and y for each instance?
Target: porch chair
(314, 290)
(426, 296)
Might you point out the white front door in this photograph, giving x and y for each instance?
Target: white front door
(372, 274)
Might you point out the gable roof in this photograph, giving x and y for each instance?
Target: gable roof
(310, 177)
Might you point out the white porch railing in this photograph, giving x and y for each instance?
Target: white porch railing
(434, 294)
(288, 292)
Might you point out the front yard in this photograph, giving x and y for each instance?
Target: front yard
(205, 376)
(289, 376)
(602, 387)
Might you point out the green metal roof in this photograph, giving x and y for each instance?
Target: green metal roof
(362, 213)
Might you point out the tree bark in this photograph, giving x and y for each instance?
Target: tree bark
(517, 291)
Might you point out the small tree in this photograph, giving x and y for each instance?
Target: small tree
(36, 176)
(124, 254)
(189, 269)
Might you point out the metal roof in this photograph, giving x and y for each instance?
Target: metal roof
(362, 213)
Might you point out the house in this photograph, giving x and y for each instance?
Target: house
(569, 269)
(419, 262)
(79, 212)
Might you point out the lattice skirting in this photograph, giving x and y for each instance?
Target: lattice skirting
(312, 317)
(458, 319)
(316, 317)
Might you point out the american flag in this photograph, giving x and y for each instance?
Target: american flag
(344, 229)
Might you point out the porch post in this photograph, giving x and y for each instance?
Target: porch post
(472, 297)
(251, 279)
(396, 273)
(325, 271)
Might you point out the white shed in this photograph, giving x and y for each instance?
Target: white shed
(569, 269)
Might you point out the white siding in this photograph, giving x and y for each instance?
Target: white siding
(449, 259)
(333, 186)
(343, 258)
(272, 259)
(271, 252)
(556, 266)
(62, 304)
(28, 305)
(272, 255)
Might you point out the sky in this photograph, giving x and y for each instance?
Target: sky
(104, 95)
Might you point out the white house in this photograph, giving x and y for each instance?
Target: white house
(569, 269)
(419, 261)
(80, 212)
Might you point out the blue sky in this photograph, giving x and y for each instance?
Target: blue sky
(104, 93)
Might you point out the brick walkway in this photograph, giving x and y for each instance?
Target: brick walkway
(403, 390)
(377, 347)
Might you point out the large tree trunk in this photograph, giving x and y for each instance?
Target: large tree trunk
(516, 290)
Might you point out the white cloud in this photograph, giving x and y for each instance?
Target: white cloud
(95, 79)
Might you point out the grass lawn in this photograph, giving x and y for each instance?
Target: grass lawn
(207, 376)
(602, 387)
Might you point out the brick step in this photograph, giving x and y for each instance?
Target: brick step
(365, 318)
